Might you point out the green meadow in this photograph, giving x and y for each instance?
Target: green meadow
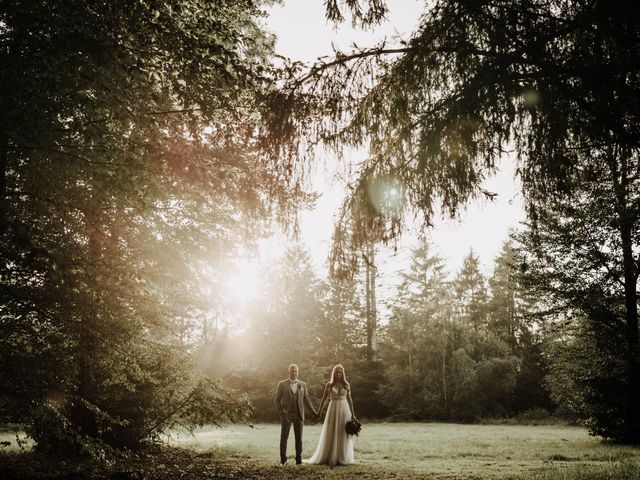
(383, 451)
(432, 450)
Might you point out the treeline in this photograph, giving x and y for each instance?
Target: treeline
(461, 348)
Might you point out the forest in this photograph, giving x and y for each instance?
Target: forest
(462, 350)
(146, 145)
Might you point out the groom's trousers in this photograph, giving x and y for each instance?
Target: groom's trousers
(287, 420)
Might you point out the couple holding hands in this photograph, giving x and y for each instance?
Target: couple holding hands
(335, 446)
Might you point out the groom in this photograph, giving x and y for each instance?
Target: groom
(291, 396)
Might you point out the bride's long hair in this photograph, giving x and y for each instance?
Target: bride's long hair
(332, 382)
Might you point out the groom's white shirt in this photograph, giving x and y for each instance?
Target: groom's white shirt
(294, 385)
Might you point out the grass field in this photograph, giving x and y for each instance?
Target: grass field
(436, 450)
(383, 451)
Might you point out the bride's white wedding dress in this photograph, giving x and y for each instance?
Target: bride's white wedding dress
(335, 447)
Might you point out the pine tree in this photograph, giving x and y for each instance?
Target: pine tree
(471, 292)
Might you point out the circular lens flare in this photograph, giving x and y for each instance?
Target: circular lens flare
(387, 195)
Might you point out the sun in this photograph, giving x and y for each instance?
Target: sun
(242, 283)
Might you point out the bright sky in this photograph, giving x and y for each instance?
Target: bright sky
(303, 34)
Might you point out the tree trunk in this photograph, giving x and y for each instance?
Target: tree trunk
(374, 313)
(81, 416)
(4, 214)
(368, 304)
(513, 341)
(410, 373)
(619, 169)
(444, 383)
(370, 269)
(631, 314)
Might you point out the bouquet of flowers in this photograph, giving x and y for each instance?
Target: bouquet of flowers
(353, 427)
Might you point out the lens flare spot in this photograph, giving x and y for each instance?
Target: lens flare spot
(388, 196)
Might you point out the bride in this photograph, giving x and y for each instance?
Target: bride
(335, 447)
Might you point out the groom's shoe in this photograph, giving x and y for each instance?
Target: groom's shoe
(298, 461)
(283, 461)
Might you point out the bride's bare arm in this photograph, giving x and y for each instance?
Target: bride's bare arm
(324, 397)
(353, 412)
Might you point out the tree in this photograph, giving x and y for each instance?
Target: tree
(471, 292)
(127, 152)
(575, 260)
(438, 110)
(511, 317)
(341, 329)
(291, 308)
(416, 339)
(508, 304)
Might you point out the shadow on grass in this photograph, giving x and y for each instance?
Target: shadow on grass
(170, 463)
(174, 463)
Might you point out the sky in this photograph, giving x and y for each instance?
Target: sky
(304, 34)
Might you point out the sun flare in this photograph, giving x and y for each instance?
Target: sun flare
(243, 282)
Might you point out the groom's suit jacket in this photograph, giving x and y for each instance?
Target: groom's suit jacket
(285, 398)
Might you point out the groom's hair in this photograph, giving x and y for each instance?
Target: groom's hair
(293, 365)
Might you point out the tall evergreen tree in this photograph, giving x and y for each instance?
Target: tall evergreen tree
(471, 292)
(341, 328)
(507, 305)
(416, 349)
(512, 319)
